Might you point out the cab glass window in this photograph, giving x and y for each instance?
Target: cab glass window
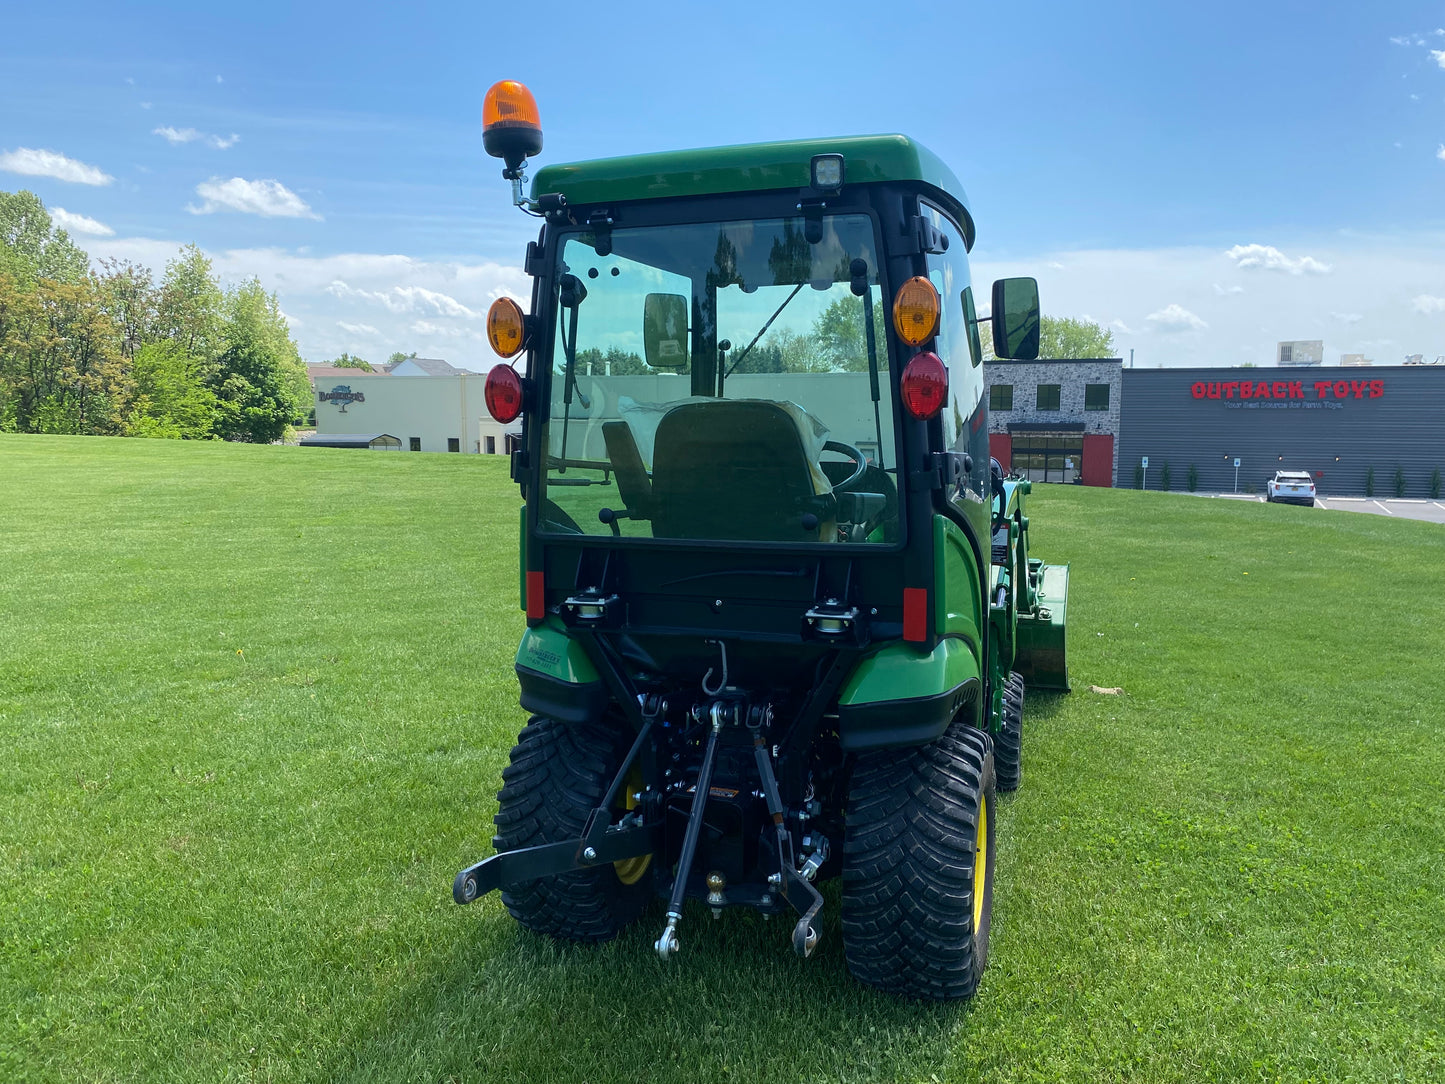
(722, 380)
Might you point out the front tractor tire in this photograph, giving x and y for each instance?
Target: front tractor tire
(558, 774)
(1008, 745)
(918, 862)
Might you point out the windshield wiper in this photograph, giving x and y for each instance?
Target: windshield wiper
(747, 349)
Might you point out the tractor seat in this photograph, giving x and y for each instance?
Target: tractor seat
(737, 469)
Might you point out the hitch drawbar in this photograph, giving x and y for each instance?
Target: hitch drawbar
(603, 842)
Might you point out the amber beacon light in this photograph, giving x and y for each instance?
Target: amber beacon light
(511, 126)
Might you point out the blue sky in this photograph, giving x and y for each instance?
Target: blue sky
(1204, 179)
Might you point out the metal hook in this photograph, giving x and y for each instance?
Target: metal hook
(722, 682)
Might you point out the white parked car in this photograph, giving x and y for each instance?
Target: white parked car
(1291, 487)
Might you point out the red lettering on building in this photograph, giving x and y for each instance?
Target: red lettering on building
(1342, 389)
(1230, 387)
(1197, 390)
(1377, 388)
(1246, 389)
(1263, 392)
(1322, 388)
(1214, 391)
(1296, 389)
(1357, 388)
(1281, 389)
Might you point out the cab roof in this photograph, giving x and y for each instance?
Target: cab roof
(753, 167)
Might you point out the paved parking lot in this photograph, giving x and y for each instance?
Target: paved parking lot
(1406, 508)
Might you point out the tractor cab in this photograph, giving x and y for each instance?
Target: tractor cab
(758, 546)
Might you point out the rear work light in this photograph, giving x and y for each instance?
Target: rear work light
(924, 386)
(503, 392)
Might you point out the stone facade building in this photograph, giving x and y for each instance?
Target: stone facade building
(1056, 420)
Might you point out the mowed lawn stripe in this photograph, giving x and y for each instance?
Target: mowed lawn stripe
(254, 705)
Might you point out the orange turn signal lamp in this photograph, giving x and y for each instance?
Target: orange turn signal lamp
(506, 327)
(915, 311)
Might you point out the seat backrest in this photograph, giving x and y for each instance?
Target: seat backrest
(633, 485)
(734, 469)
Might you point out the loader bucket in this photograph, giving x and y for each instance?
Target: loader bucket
(1040, 656)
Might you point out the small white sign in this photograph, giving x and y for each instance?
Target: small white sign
(1146, 461)
(1236, 462)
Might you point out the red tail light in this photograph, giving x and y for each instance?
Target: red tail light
(503, 392)
(924, 386)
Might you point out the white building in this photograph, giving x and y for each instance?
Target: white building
(428, 413)
(1301, 352)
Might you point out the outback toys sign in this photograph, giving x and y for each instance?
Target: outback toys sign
(1287, 394)
(341, 395)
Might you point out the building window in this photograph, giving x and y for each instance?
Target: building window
(1045, 457)
(1048, 397)
(1286, 353)
(454, 444)
(416, 444)
(491, 445)
(1096, 396)
(1001, 397)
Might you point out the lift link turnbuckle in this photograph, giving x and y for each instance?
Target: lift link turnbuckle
(803, 897)
(667, 944)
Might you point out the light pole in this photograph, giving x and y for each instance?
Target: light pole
(1236, 474)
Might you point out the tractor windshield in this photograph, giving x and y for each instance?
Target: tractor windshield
(721, 381)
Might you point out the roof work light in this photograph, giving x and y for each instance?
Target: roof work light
(827, 172)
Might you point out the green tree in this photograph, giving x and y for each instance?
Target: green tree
(347, 361)
(129, 295)
(1060, 337)
(398, 357)
(190, 309)
(260, 382)
(170, 397)
(31, 247)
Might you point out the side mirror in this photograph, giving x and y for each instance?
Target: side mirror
(1016, 319)
(664, 331)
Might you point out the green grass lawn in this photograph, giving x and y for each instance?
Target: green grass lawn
(255, 702)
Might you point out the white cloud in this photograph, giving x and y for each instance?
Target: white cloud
(269, 199)
(1438, 56)
(1227, 291)
(1440, 154)
(38, 163)
(1425, 304)
(1347, 317)
(1121, 327)
(176, 135)
(190, 135)
(79, 223)
(1272, 259)
(357, 329)
(403, 299)
(426, 327)
(1173, 319)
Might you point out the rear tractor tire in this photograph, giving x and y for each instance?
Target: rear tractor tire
(918, 860)
(1008, 745)
(558, 774)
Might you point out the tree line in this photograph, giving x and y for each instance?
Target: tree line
(115, 352)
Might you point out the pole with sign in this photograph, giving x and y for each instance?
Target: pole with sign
(1236, 474)
(1144, 464)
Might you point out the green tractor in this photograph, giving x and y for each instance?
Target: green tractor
(780, 607)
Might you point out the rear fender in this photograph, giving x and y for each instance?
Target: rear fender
(557, 677)
(899, 696)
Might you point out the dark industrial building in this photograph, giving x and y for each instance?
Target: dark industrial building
(1337, 423)
(1355, 428)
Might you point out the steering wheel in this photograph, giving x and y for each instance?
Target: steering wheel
(860, 464)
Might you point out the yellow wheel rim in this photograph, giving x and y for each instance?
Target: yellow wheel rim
(630, 870)
(980, 863)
